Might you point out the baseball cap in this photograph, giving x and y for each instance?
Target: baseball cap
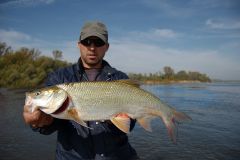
(97, 29)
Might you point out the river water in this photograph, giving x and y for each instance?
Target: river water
(213, 134)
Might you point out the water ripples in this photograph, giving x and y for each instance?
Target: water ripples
(213, 133)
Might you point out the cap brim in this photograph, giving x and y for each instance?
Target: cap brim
(101, 36)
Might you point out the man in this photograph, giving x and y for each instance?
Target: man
(74, 141)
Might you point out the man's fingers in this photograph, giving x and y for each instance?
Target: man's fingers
(34, 126)
(26, 108)
(36, 118)
(44, 120)
(31, 117)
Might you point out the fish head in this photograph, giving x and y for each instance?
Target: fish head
(47, 99)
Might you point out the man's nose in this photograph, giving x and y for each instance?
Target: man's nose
(92, 46)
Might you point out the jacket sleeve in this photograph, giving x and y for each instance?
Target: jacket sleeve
(52, 79)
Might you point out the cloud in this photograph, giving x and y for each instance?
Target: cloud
(154, 34)
(165, 33)
(25, 3)
(132, 55)
(12, 37)
(223, 24)
(189, 8)
(17, 39)
(212, 4)
(140, 57)
(170, 8)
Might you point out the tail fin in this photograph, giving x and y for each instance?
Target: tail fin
(172, 122)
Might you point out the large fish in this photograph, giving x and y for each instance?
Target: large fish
(117, 101)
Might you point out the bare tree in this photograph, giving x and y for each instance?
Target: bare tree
(169, 72)
(57, 54)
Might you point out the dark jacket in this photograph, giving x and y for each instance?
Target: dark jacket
(75, 142)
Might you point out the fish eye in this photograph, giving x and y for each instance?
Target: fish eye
(37, 93)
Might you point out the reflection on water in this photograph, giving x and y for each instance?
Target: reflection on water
(17, 141)
(213, 133)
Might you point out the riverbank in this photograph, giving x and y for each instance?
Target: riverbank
(155, 82)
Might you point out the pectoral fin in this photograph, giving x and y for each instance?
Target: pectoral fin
(122, 122)
(73, 114)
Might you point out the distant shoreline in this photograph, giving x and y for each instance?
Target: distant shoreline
(229, 81)
(153, 82)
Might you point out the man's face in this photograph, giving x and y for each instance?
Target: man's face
(92, 50)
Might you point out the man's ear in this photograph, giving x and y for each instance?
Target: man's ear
(78, 44)
(107, 46)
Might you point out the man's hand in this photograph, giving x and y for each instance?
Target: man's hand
(36, 118)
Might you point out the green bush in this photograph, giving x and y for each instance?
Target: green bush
(25, 67)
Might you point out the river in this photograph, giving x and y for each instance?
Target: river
(213, 133)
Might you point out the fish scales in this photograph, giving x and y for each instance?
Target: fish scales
(117, 101)
(92, 99)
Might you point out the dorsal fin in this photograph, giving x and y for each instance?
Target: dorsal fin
(130, 82)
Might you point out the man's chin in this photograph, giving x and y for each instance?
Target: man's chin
(93, 63)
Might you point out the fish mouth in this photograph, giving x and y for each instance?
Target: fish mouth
(63, 107)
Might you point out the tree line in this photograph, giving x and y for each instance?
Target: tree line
(27, 68)
(168, 75)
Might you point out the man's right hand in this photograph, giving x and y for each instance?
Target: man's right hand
(36, 118)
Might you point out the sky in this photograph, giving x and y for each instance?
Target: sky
(144, 35)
